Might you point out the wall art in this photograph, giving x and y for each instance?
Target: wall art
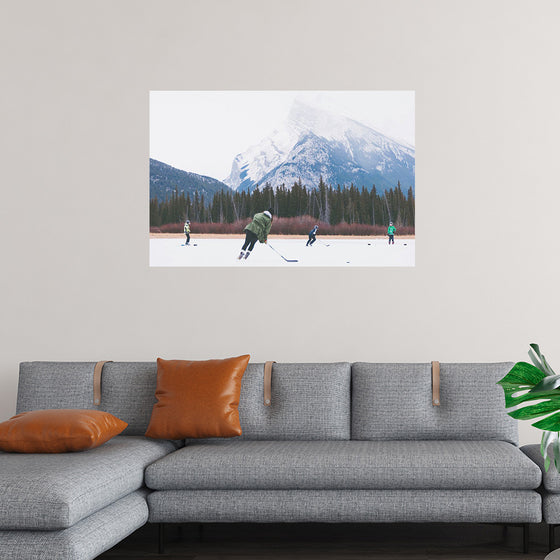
(282, 179)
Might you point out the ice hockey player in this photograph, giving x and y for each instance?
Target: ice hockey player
(187, 230)
(312, 237)
(391, 233)
(257, 230)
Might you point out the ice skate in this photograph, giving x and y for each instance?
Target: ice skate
(247, 254)
(241, 255)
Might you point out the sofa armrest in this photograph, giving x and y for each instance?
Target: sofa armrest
(551, 479)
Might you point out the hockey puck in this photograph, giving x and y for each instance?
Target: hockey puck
(369, 243)
(405, 243)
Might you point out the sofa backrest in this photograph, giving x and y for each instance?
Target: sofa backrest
(127, 389)
(394, 402)
(44, 385)
(309, 401)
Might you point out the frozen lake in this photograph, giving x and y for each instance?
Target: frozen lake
(339, 252)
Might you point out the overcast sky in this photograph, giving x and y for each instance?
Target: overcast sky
(202, 131)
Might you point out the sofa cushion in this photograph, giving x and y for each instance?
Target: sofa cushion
(309, 402)
(551, 508)
(85, 540)
(58, 431)
(45, 385)
(54, 491)
(550, 478)
(394, 401)
(225, 465)
(197, 399)
(127, 389)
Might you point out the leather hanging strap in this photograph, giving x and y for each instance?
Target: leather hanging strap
(268, 383)
(435, 384)
(97, 371)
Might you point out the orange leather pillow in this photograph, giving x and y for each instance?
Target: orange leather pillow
(58, 431)
(197, 399)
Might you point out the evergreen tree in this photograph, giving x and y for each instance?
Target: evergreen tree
(324, 203)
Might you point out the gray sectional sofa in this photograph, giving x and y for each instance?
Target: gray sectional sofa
(340, 442)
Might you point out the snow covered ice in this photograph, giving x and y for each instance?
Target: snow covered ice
(340, 253)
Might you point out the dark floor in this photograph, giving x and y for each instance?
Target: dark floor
(330, 542)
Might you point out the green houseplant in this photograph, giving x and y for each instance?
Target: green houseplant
(526, 383)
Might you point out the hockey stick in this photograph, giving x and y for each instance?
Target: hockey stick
(287, 260)
(321, 241)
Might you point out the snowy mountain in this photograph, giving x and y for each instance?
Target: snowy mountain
(164, 179)
(314, 143)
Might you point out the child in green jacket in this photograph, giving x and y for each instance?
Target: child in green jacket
(391, 233)
(257, 230)
(187, 230)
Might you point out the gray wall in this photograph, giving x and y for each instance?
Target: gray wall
(75, 282)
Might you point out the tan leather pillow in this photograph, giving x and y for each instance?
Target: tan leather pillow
(58, 431)
(197, 399)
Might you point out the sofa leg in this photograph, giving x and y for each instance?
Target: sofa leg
(551, 528)
(525, 538)
(161, 538)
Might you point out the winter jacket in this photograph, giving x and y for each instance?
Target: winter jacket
(260, 226)
(391, 230)
(187, 228)
(313, 231)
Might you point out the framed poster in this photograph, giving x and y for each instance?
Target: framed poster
(282, 178)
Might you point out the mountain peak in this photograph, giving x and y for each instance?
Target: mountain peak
(340, 149)
(304, 117)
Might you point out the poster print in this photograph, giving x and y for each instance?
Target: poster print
(282, 178)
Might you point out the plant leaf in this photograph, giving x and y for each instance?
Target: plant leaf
(535, 348)
(556, 450)
(512, 400)
(522, 374)
(546, 439)
(536, 382)
(549, 369)
(540, 362)
(547, 442)
(536, 361)
(547, 384)
(536, 410)
(550, 423)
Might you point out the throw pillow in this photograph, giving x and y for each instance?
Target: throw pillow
(197, 399)
(58, 431)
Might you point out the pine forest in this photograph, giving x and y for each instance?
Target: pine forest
(341, 210)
